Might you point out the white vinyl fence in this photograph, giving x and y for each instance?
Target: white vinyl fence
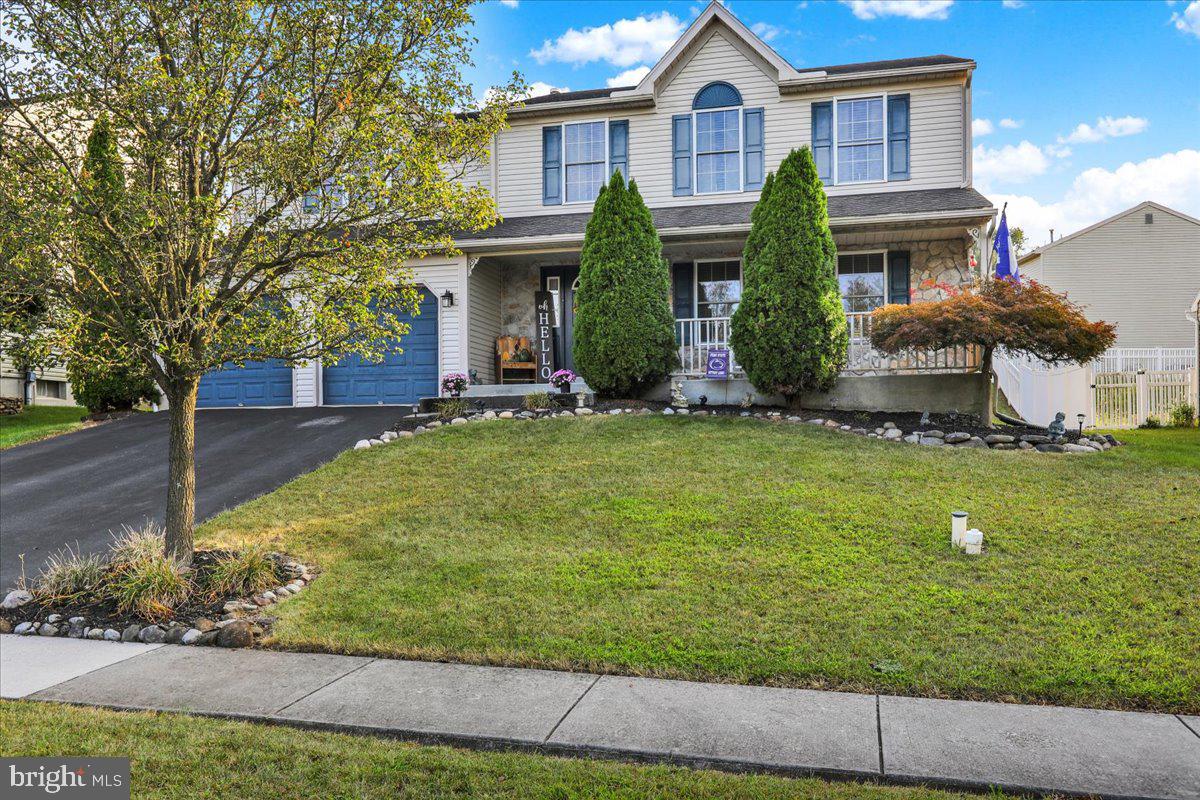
(1107, 397)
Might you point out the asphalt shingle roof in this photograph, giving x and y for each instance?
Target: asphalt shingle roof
(700, 216)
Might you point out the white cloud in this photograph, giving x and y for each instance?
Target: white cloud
(766, 31)
(1013, 3)
(1010, 123)
(1172, 179)
(1189, 20)
(630, 77)
(622, 43)
(510, 3)
(1009, 164)
(913, 9)
(981, 127)
(1104, 128)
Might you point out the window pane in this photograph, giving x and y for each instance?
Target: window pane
(860, 277)
(719, 288)
(860, 162)
(585, 142)
(718, 172)
(860, 120)
(718, 130)
(584, 181)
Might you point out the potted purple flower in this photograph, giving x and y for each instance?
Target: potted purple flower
(562, 380)
(454, 383)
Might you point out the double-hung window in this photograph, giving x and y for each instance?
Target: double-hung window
(585, 148)
(718, 151)
(861, 279)
(718, 288)
(860, 140)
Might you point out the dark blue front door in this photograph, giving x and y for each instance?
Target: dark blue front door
(401, 378)
(259, 383)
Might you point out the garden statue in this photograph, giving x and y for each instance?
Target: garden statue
(1057, 429)
(747, 401)
(678, 398)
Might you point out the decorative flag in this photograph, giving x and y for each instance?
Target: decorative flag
(1006, 254)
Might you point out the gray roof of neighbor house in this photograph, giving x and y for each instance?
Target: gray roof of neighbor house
(923, 201)
(833, 70)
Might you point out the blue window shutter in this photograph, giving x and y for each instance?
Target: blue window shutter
(681, 150)
(552, 166)
(822, 139)
(754, 148)
(898, 137)
(898, 276)
(618, 147)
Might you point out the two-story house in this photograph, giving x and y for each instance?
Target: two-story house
(699, 133)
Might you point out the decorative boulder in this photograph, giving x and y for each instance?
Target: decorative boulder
(239, 633)
(16, 598)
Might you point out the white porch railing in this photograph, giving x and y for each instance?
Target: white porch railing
(697, 336)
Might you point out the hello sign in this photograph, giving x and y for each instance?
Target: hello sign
(543, 304)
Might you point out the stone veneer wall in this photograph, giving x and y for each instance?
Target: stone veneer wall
(944, 262)
(517, 285)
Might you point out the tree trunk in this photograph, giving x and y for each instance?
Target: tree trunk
(989, 392)
(181, 469)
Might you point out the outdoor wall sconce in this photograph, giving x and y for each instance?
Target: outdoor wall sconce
(447, 299)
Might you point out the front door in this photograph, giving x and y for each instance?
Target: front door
(563, 282)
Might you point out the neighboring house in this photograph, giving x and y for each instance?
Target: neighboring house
(892, 140)
(1139, 269)
(48, 387)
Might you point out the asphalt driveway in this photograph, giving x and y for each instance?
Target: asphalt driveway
(80, 486)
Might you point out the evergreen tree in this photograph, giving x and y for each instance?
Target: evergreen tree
(789, 332)
(624, 328)
(104, 375)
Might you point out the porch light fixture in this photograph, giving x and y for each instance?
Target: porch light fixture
(447, 299)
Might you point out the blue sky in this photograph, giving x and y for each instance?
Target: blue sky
(1082, 109)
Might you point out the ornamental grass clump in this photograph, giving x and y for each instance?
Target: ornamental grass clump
(243, 572)
(538, 401)
(452, 407)
(70, 575)
(143, 579)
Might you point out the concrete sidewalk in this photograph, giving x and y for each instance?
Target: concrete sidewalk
(950, 743)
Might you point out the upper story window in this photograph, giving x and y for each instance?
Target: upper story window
(718, 147)
(584, 156)
(861, 139)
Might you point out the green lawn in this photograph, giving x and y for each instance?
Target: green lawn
(173, 756)
(743, 551)
(38, 422)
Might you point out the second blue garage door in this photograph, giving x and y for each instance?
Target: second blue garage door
(401, 378)
(259, 383)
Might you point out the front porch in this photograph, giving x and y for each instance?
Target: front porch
(877, 265)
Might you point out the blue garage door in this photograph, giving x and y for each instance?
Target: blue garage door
(401, 378)
(259, 383)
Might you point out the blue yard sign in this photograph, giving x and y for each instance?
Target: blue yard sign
(718, 364)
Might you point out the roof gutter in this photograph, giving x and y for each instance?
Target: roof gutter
(822, 80)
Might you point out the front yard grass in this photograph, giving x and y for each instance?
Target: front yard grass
(38, 422)
(174, 756)
(742, 551)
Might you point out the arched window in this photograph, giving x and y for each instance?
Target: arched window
(716, 95)
(718, 125)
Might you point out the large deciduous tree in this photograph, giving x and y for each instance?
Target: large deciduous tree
(789, 332)
(282, 161)
(1025, 318)
(624, 334)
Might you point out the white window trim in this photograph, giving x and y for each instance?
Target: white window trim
(696, 279)
(886, 270)
(834, 136)
(741, 152)
(563, 158)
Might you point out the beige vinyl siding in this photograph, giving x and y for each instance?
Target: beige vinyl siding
(438, 276)
(1142, 277)
(937, 138)
(483, 324)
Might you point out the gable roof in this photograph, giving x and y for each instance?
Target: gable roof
(787, 76)
(1120, 214)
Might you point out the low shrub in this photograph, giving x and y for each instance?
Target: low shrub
(1183, 416)
(243, 572)
(1151, 423)
(452, 407)
(537, 401)
(69, 575)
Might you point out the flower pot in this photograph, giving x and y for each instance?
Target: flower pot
(565, 388)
